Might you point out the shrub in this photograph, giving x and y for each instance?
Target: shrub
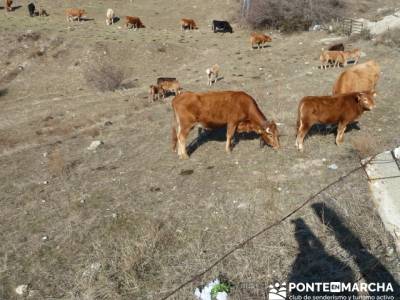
(104, 77)
(292, 15)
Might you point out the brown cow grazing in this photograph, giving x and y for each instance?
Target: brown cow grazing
(217, 109)
(75, 14)
(133, 22)
(341, 109)
(7, 5)
(188, 24)
(259, 39)
(362, 77)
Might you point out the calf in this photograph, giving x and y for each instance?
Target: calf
(154, 93)
(341, 109)
(221, 26)
(212, 74)
(75, 14)
(169, 87)
(259, 39)
(133, 22)
(362, 77)
(218, 109)
(354, 55)
(31, 9)
(328, 57)
(188, 24)
(336, 47)
(7, 5)
(110, 17)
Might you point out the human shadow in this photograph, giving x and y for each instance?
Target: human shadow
(372, 270)
(314, 265)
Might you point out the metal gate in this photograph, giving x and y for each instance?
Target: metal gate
(351, 26)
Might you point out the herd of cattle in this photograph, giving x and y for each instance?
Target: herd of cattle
(352, 94)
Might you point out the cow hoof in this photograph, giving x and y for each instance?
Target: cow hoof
(184, 156)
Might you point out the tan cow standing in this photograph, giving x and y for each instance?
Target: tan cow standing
(362, 77)
(75, 14)
(341, 109)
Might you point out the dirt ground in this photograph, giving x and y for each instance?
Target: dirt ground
(130, 220)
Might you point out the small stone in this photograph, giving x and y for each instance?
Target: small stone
(307, 63)
(108, 123)
(22, 289)
(333, 167)
(280, 189)
(82, 201)
(43, 201)
(94, 145)
(45, 182)
(114, 215)
(309, 73)
(45, 154)
(390, 251)
(45, 238)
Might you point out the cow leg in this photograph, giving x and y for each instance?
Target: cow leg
(183, 132)
(340, 133)
(230, 131)
(301, 133)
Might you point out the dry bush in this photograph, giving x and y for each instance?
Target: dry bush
(389, 38)
(364, 144)
(104, 77)
(292, 15)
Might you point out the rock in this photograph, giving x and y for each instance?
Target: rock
(108, 123)
(45, 238)
(309, 73)
(333, 167)
(22, 289)
(397, 152)
(222, 296)
(94, 145)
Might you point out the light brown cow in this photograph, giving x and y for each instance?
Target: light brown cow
(169, 87)
(75, 14)
(212, 74)
(188, 24)
(134, 22)
(341, 109)
(218, 109)
(259, 39)
(327, 57)
(354, 54)
(110, 16)
(7, 5)
(362, 77)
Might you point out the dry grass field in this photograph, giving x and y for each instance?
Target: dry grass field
(130, 220)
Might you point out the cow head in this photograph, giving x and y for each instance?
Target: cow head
(366, 100)
(270, 135)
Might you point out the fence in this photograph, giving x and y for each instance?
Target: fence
(351, 26)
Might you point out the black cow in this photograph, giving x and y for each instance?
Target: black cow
(221, 26)
(31, 9)
(162, 79)
(336, 47)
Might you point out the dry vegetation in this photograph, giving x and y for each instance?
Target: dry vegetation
(131, 221)
(293, 15)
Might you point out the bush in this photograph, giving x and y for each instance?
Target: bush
(389, 38)
(292, 15)
(104, 77)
